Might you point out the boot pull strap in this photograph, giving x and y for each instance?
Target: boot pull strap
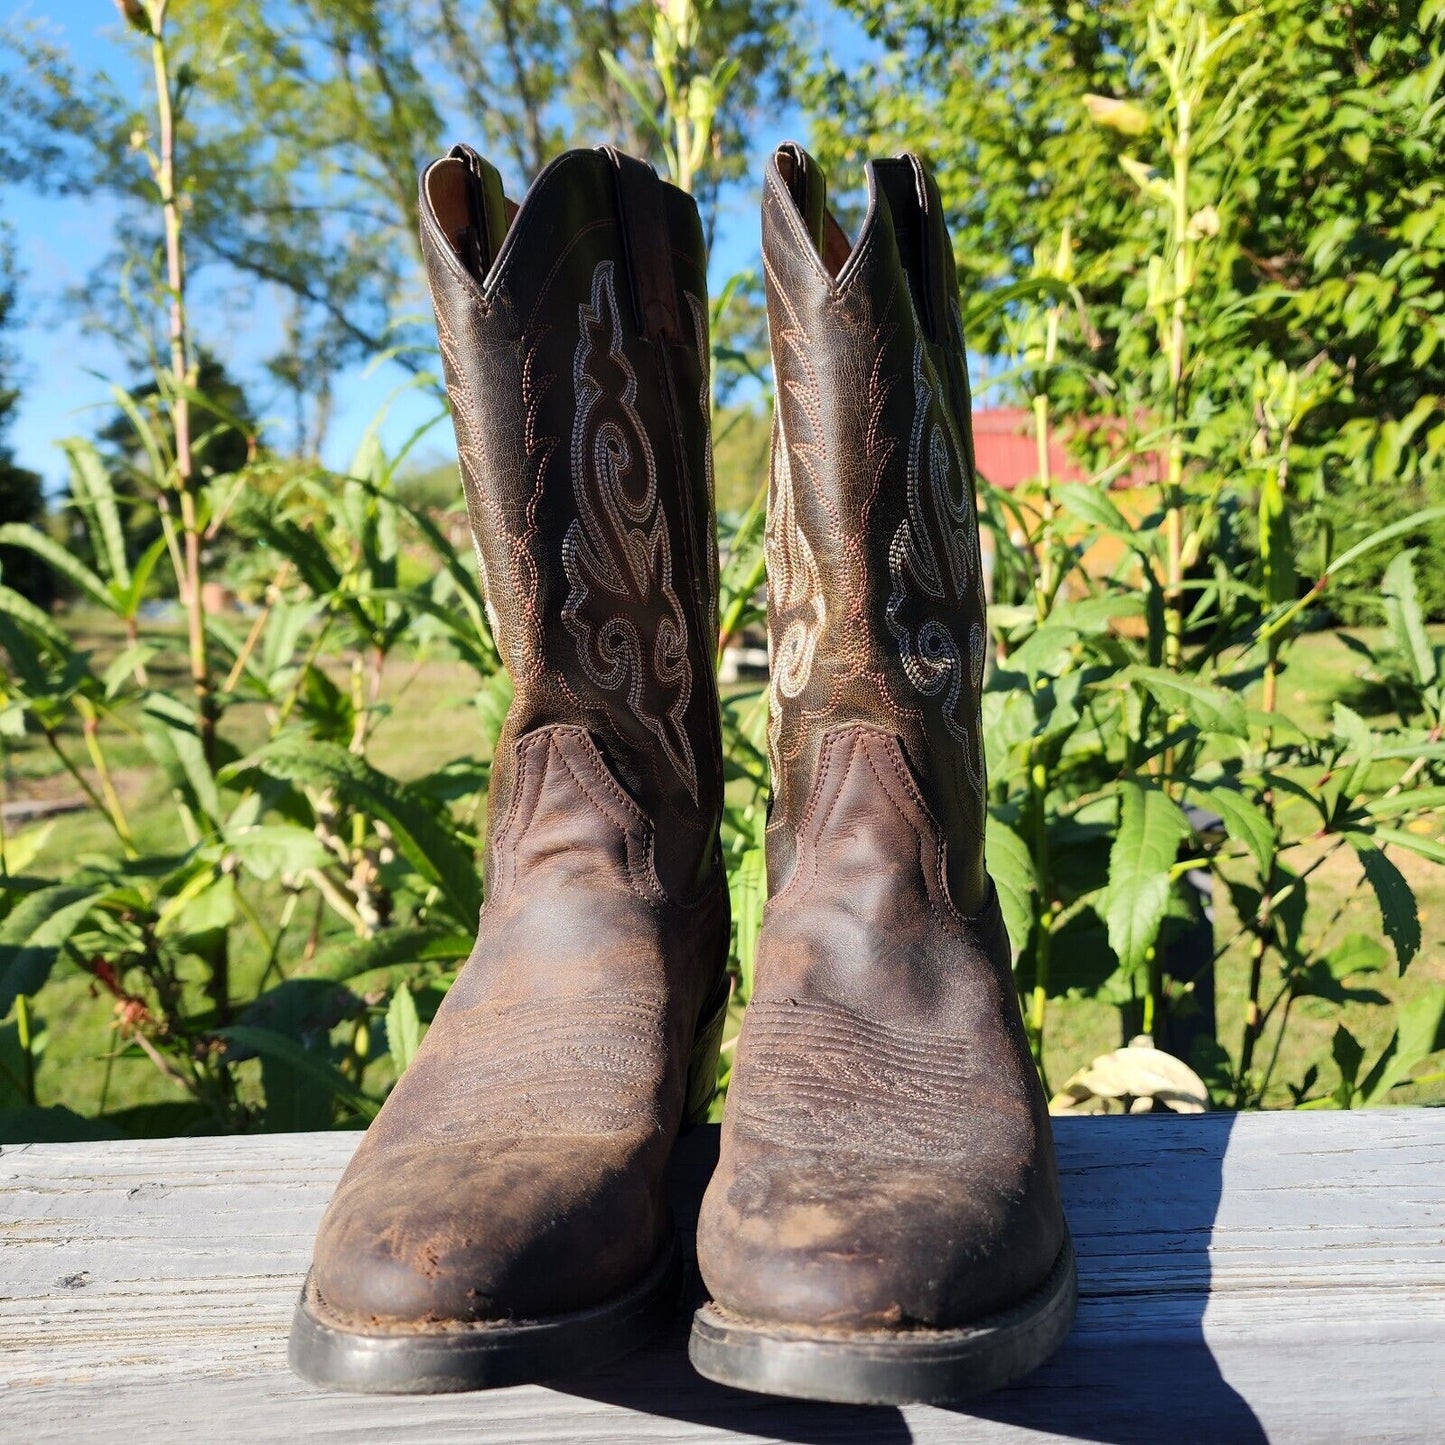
(808, 187)
(643, 207)
(938, 270)
(918, 229)
(479, 241)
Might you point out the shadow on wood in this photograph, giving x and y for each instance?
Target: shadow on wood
(1163, 1385)
(1147, 1255)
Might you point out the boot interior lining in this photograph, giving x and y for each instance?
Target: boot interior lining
(447, 193)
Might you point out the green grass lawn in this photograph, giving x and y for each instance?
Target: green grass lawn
(431, 721)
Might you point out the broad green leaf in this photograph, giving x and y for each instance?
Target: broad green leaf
(1092, 505)
(206, 903)
(299, 546)
(403, 1029)
(1245, 823)
(1357, 953)
(1359, 744)
(23, 848)
(35, 931)
(132, 596)
(1426, 847)
(1094, 614)
(1209, 708)
(1398, 912)
(1151, 827)
(62, 559)
(1416, 520)
(1012, 867)
(305, 1009)
(173, 738)
(1406, 620)
(1416, 800)
(749, 887)
(124, 667)
(34, 622)
(270, 848)
(94, 495)
(1419, 1034)
(493, 699)
(390, 948)
(269, 1044)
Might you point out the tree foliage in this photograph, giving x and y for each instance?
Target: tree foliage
(1326, 209)
(22, 498)
(306, 122)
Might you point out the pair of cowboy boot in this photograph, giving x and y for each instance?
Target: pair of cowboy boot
(884, 1222)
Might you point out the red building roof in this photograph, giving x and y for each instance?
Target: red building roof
(1007, 453)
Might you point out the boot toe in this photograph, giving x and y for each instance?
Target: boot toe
(524, 1229)
(843, 1245)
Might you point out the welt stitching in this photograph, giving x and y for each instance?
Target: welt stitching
(645, 879)
(524, 752)
(804, 833)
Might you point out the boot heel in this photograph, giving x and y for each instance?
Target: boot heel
(702, 1062)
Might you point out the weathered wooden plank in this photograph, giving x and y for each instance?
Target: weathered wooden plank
(1271, 1276)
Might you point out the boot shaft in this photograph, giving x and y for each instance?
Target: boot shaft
(574, 337)
(876, 608)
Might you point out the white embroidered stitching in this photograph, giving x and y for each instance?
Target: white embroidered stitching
(932, 657)
(606, 452)
(794, 586)
(794, 582)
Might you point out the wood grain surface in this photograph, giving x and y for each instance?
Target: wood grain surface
(1271, 1277)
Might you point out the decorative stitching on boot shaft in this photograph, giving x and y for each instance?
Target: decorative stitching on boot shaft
(621, 550)
(935, 660)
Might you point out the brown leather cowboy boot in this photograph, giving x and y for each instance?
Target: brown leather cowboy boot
(504, 1218)
(884, 1224)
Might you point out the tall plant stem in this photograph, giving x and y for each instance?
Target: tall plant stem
(27, 1046)
(1177, 352)
(1043, 943)
(1178, 344)
(91, 728)
(163, 167)
(1253, 1019)
(163, 170)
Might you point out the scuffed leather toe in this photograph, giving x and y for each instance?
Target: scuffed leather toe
(487, 1233)
(844, 1244)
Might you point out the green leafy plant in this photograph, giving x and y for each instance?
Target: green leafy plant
(270, 899)
(1124, 700)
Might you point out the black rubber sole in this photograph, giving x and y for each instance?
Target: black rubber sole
(482, 1356)
(917, 1367)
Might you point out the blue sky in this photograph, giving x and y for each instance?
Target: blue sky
(66, 372)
